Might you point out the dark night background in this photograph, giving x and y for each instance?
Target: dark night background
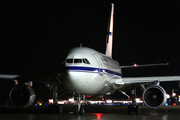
(34, 35)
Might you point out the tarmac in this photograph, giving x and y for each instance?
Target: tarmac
(92, 112)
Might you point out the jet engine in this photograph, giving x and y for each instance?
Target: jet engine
(154, 96)
(22, 96)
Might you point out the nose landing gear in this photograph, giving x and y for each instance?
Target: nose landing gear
(78, 108)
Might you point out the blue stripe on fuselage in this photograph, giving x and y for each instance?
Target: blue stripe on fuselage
(93, 70)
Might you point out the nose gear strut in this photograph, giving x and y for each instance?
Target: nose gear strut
(78, 108)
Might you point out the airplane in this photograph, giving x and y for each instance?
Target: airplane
(86, 72)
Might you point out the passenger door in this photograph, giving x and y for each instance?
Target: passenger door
(99, 63)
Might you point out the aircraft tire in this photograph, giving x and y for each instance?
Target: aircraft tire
(75, 110)
(56, 109)
(137, 110)
(129, 109)
(51, 109)
(82, 110)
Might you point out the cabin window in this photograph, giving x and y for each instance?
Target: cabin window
(86, 61)
(77, 60)
(69, 61)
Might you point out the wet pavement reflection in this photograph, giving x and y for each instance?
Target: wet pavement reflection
(90, 116)
(113, 113)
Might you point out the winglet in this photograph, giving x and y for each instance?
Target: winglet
(110, 33)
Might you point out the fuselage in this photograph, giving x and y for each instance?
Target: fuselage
(89, 72)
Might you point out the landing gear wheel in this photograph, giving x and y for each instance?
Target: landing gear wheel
(75, 110)
(137, 110)
(52, 109)
(82, 110)
(129, 109)
(78, 108)
(55, 109)
(134, 109)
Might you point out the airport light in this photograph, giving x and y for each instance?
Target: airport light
(71, 99)
(40, 104)
(179, 98)
(108, 101)
(166, 104)
(174, 94)
(174, 104)
(137, 100)
(51, 100)
(60, 102)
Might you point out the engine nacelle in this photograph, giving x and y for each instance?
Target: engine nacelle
(22, 96)
(154, 96)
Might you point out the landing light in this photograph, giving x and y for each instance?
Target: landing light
(108, 93)
(135, 65)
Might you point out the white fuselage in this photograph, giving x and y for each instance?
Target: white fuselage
(89, 72)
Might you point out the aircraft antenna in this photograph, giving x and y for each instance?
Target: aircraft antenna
(80, 44)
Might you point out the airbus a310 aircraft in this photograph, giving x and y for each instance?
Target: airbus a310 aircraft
(86, 72)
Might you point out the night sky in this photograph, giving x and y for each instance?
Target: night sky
(34, 35)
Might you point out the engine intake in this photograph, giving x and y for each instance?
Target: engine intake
(22, 96)
(154, 96)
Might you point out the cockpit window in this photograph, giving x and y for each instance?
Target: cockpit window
(86, 61)
(69, 61)
(77, 60)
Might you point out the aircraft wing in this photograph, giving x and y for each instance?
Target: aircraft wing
(6, 76)
(141, 80)
(24, 78)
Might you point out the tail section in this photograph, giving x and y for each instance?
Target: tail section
(110, 34)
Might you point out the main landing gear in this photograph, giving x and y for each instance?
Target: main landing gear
(133, 107)
(55, 108)
(78, 108)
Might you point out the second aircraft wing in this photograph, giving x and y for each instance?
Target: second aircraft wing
(132, 80)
